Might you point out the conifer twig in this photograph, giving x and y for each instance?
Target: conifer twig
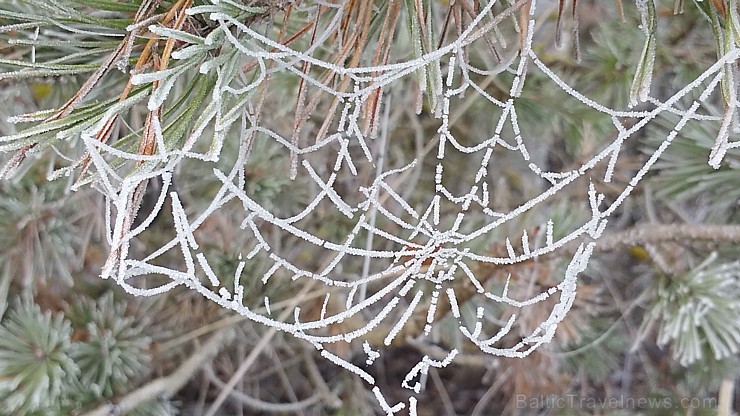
(169, 385)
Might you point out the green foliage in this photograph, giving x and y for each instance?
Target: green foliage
(37, 371)
(50, 365)
(40, 231)
(644, 72)
(114, 350)
(699, 313)
(156, 408)
(599, 352)
(682, 174)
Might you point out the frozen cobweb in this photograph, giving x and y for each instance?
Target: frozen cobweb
(400, 256)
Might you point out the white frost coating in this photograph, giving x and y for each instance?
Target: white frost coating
(149, 77)
(323, 305)
(372, 355)
(422, 368)
(390, 411)
(412, 406)
(404, 318)
(162, 92)
(433, 244)
(349, 366)
(454, 308)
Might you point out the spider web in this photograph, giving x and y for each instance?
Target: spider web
(402, 255)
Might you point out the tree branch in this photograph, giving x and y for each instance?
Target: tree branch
(663, 233)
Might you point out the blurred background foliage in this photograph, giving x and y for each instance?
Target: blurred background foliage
(654, 319)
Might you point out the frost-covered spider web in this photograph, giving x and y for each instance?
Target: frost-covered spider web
(388, 260)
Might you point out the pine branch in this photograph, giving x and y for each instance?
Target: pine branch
(169, 385)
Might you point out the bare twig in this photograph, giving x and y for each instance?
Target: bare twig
(264, 342)
(490, 393)
(443, 395)
(328, 396)
(724, 408)
(654, 234)
(257, 404)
